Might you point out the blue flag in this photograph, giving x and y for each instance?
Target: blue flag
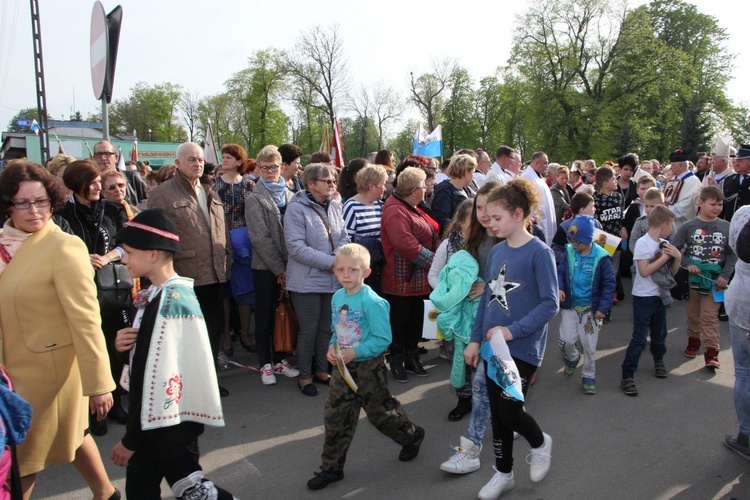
(428, 144)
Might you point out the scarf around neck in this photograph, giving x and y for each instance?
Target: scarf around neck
(11, 240)
(277, 191)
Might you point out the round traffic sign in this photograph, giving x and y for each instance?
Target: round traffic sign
(99, 48)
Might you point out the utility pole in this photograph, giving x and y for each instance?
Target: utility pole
(41, 95)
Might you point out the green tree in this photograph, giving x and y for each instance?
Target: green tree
(359, 135)
(704, 67)
(387, 107)
(154, 107)
(402, 144)
(738, 123)
(428, 91)
(487, 111)
(257, 90)
(309, 120)
(459, 124)
(189, 103)
(319, 67)
(221, 111)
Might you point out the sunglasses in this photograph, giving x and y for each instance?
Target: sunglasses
(330, 182)
(112, 187)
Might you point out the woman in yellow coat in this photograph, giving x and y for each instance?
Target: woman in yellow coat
(51, 341)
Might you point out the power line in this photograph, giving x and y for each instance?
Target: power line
(10, 46)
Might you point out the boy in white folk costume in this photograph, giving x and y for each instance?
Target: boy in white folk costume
(173, 393)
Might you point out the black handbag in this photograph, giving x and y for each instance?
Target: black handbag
(113, 286)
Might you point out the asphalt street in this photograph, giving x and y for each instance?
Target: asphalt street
(664, 443)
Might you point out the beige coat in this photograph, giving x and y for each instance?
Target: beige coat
(51, 343)
(205, 246)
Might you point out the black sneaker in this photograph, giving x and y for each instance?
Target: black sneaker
(660, 370)
(323, 478)
(734, 444)
(413, 365)
(410, 451)
(628, 387)
(462, 408)
(397, 368)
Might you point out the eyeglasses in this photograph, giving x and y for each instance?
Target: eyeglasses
(573, 242)
(330, 182)
(112, 187)
(269, 168)
(25, 204)
(104, 154)
(421, 187)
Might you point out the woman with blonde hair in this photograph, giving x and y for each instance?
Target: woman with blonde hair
(362, 214)
(114, 188)
(265, 209)
(451, 192)
(410, 239)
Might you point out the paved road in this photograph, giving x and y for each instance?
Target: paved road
(665, 443)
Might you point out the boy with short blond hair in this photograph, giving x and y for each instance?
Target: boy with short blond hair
(361, 334)
(704, 242)
(652, 254)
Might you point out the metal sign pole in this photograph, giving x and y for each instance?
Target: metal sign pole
(105, 120)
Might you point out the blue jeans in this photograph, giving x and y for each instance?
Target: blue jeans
(480, 407)
(741, 353)
(649, 314)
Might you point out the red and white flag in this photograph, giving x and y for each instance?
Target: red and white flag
(209, 149)
(338, 147)
(121, 161)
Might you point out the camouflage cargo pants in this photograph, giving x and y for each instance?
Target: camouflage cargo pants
(342, 409)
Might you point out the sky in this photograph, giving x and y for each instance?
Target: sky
(199, 44)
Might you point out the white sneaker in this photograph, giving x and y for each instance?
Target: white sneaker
(266, 375)
(539, 459)
(499, 484)
(284, 368)
(465, 460)
(221, 361)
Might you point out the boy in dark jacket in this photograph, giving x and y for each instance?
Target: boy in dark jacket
(587, 285)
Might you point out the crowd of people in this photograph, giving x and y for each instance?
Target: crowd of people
(499, 248)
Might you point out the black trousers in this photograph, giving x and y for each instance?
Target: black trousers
(155, 461)
(111, 322)
(508, 416)
(267, 291)
(211, 300)
(407, 314)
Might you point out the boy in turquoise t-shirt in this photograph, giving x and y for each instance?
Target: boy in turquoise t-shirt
(361, 334)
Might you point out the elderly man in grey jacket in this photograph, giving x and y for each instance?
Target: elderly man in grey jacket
(199, 215)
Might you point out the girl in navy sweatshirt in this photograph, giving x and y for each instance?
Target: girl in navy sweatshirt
(519, 300)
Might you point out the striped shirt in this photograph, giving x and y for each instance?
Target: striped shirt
(361, 219)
